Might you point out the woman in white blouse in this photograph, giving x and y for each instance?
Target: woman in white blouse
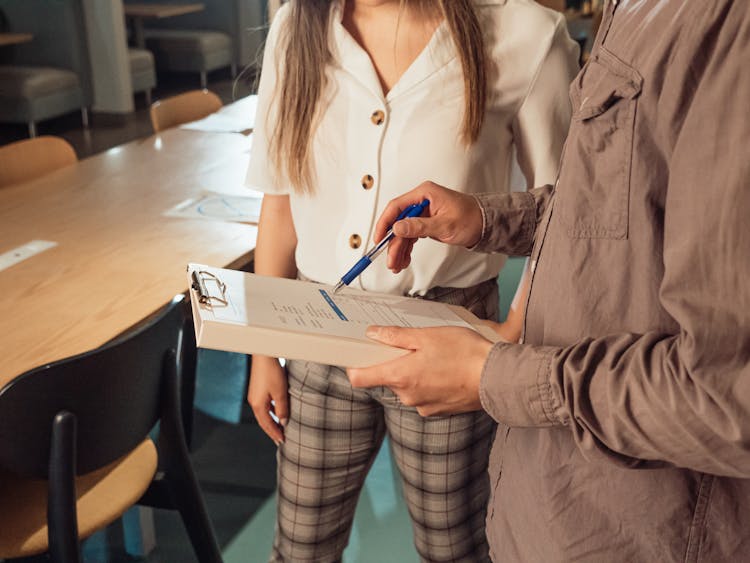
(359, 101)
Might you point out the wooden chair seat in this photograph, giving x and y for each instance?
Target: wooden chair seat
(101, 498)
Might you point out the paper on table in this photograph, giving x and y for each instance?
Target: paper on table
(220, 207)
(21, 253)
(219, 123)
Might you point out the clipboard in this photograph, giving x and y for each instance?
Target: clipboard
(242, 312)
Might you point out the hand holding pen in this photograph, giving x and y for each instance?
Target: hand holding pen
(414, 210)
(454, 218)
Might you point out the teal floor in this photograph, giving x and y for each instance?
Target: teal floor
(381, 532)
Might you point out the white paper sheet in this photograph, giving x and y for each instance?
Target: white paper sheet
(220, 207)
(218, 123)
(23, 252)
(313, 308)
(237, 117)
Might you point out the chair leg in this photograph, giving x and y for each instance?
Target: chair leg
(85, 117)
(62, 521)
(187, 354)
(148, 97)
(32, 129)
(233, 69)
(183, 483)
(204, 79)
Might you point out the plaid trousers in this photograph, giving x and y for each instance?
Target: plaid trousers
(331, 440)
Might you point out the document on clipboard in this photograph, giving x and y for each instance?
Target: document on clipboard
(241, 312)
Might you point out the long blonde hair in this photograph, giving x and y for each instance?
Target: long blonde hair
(306, 54)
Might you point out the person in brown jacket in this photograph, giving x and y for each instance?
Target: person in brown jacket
(625, 413)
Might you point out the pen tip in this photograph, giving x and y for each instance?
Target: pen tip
(337, 287)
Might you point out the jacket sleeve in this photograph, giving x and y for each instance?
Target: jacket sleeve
(510, 221)
(681, 399)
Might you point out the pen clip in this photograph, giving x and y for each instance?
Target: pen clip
(200, 277)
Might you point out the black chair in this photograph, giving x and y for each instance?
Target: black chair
(75, 451)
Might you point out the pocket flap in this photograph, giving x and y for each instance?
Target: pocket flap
(606, 80)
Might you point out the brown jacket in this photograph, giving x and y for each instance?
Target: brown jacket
(625, 416)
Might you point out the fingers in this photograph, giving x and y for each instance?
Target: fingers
(386, 374)
(399, 254)
(369, 377)
(268, 396)
(407, 338)
(433, 378)
(396, 206)
(452, 217)
(281, 407)
(262, 411)
(399, 257)
(416, 227)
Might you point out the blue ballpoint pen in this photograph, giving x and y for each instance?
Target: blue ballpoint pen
(414, 210)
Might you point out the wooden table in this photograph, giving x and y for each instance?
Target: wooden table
(139, 12)
(118, 259)
(14, 38)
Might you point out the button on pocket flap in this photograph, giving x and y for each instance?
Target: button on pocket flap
(606, 80)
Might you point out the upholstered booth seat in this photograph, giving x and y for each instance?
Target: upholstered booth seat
(32, 93)
(142, 71)
(188, 50)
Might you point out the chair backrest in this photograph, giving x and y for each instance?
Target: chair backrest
(30, 158)
(183, 108)
(114, 391)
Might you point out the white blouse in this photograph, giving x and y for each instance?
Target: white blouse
(361, 162)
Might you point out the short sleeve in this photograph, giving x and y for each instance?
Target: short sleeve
(261, 174)
(542, 121)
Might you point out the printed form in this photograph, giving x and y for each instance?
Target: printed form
(298, 306)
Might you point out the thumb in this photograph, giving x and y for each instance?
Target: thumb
(406, 338)
(415, 227)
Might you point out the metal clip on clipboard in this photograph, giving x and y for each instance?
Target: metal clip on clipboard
(200, 278)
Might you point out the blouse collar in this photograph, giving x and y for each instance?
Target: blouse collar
(352, 58)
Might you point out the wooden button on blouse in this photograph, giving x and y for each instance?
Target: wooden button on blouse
(377, 117)
(367, 181)
(355, 241)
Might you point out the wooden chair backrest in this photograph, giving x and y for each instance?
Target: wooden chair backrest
(183, 108)
(25, 160)
(114, 391)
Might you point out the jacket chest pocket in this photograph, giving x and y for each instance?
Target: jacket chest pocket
(595, 172)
